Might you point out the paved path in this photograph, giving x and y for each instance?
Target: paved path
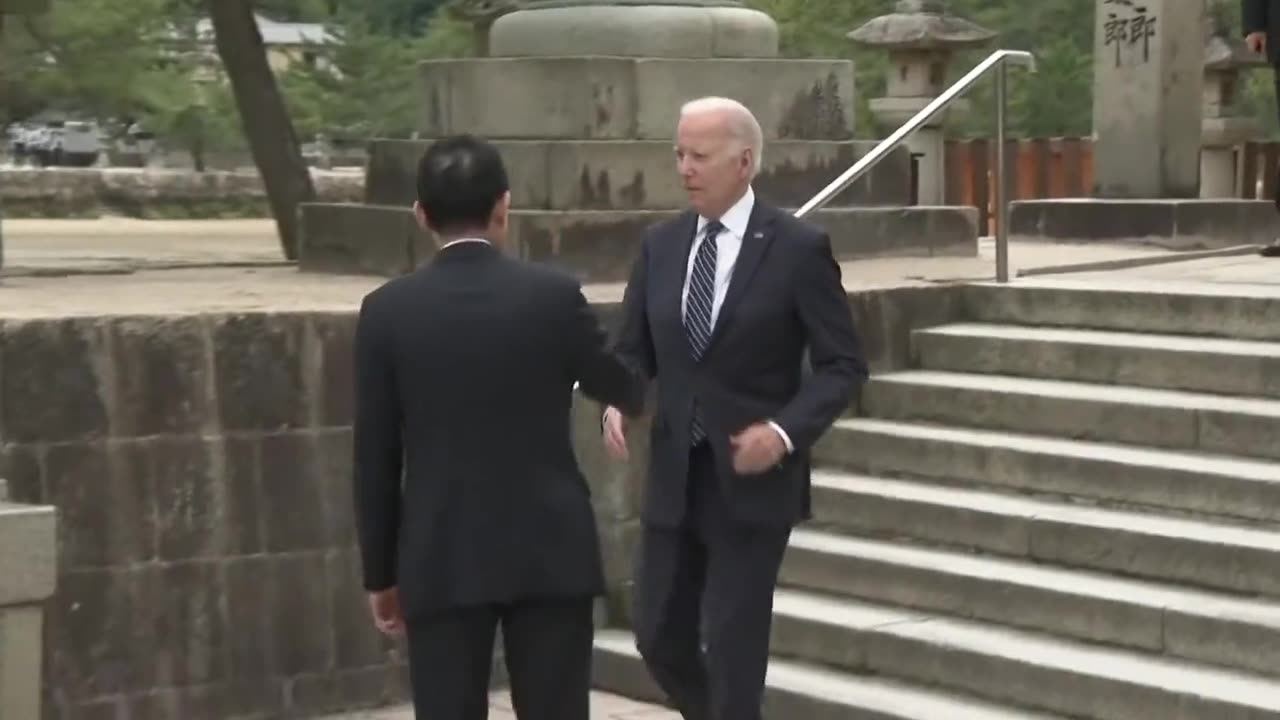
(603, 707)
(68, 267)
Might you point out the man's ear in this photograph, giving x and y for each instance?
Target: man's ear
(420, 213)
(502, 211)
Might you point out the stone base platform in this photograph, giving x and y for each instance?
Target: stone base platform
(1173, 224)
(620, 98)
(641, 174)
(600, 246)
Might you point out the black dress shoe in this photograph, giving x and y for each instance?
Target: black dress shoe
(1272, 250)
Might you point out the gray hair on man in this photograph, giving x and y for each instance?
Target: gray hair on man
(743, 125)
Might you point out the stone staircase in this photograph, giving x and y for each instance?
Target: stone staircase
(1068, 508)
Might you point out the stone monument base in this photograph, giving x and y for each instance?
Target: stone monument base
(641, 174)
(600, 245)
(1174, 224)
(625, 98)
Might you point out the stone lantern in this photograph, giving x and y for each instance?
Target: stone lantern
(921, 38)
(1223, 126)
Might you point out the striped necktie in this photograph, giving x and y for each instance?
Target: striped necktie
(697, 315)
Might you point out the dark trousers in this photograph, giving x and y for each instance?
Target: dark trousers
(704, 604)
(548, 656)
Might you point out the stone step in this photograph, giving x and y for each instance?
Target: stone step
(802, 691)
(1090, 411)
(1124, 475)
(1242, 312)
(641, 174)
(600, 246)
(1012, 666)
(1176, 362)
(1211, 627)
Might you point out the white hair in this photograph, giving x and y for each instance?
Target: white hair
(743, 126)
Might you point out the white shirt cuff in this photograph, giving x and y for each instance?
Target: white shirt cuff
(786, 440)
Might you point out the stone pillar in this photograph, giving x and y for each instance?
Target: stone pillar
(1148, 78)
(1223, 126)
(28, 572)
(920, 38)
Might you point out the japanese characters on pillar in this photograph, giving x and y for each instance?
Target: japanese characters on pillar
(1148, 79)
(1128, 29)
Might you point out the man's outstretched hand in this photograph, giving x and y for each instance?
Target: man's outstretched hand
(615, 433)
(385, 605)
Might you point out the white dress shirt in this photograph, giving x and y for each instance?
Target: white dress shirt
(728, 245)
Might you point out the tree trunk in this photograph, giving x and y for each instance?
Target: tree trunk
(263, 115)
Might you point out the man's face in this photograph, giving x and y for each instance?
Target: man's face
(715, 172)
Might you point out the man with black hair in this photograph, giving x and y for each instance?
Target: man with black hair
(470, 506)
(1261, 20)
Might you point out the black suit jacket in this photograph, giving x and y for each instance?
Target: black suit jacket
(1263, 16)
(464, 384)
(785, 295)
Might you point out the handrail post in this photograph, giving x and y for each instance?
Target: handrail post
(997, 61)
(1002, 177)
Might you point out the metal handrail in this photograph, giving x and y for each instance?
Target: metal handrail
(997, 60)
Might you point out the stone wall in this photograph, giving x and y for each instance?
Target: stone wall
(152, 193)
(200, 465)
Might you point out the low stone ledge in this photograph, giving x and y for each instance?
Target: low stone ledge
(1174, 224)
(152, 193)
(600, 246)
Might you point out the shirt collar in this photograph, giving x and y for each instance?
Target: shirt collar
(464, 240)
(737, 217)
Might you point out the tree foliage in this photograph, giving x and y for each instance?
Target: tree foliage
(103, 58)
(1056, 101)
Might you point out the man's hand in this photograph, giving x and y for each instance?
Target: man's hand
(1257, 42)
(615, 433)
(756, 449)
(385, 605)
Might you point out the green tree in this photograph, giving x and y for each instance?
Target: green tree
(368, 85)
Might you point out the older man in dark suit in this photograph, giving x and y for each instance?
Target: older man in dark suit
(471, 509)
(721, 306)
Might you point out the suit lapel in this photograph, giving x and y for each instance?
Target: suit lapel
(759, 235)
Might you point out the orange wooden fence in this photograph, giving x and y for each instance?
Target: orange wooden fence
(1038, 168)
(1043, 168)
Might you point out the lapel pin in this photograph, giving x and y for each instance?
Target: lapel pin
(757, 234)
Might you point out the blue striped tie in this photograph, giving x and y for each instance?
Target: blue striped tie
(697, 314)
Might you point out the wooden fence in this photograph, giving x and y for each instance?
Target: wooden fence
(1045, 168)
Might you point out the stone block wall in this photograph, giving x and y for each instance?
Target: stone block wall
(201, 469)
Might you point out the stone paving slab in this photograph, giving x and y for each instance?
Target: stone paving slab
(604, 706)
